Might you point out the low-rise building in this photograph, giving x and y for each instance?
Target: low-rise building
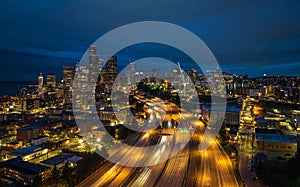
(22, 173)
(261, 122)
(26, 134)
(276, 143)
(60, 161)
(232, 113)
(40, 140)
(28, 153)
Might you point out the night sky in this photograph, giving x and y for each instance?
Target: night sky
(247, 37)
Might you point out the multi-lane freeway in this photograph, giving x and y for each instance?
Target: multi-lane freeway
(189, 167)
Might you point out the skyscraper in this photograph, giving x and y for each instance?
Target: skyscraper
(51, 80)
(95, 64)
(68, 72)
(132, 67)
(40, 83)
(131, 72)
(111, 72)
(92, 50)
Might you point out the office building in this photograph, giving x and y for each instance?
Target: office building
(95, 65)
(111, 71)
(51, 80)
(92, 50)
(40, 83)
(68, 72)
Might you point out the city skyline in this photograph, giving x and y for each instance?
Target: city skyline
(136, 127)
(149, 93)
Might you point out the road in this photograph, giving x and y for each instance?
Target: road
(175, 170)
(214, 168)
(189, 167)
(106, 173)
(209, 168)
(246, 150)
(247, 175)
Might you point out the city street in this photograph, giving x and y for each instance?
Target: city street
(246, 149)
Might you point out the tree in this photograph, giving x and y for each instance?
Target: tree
(223, 134)
(55, 174)
(49, 145)
(67, 172)
(293, 168)
(122, 133)
(38, 181)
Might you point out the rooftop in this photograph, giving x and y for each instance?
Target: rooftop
(62, 158)
(74, 158)
(40, 137)
(31, 127)
(26, 151)
(23, 167)
(276, 138)
(56, 160)
(267, 131)
(229, 107)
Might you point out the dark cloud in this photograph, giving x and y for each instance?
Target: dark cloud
(45, 35)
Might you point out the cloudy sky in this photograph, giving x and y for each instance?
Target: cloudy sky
(247, 37)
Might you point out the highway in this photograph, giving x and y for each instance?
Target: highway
(104, 174)
(175, 170)
(211, 167)
(189, 167)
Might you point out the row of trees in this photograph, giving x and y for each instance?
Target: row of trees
(280, 172)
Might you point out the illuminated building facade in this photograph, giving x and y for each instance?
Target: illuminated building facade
(40, 83)
(26, 134)
(111, 71)
(51, 80)
(68, 72)
(23, 172)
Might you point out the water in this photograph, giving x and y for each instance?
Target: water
(13, 88)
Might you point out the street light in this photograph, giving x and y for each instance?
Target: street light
(150, 111)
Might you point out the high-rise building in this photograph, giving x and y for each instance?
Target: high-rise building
(40, 83)
(133, 67)
(92, 50)
(95, 64)
(51, 80)
(68, 72)
(111, 72)
(192, 74)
